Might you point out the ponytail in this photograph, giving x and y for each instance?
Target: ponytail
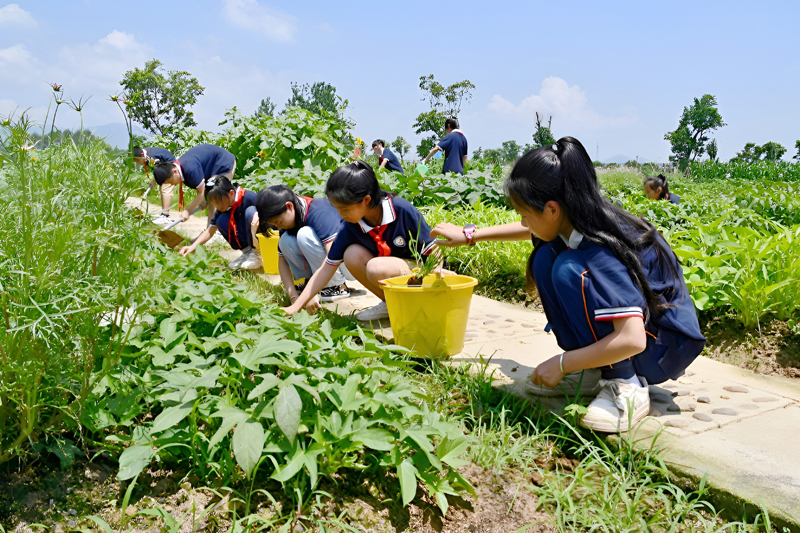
(218, 187)
(654, 182)
(564, 173)
(351, 183)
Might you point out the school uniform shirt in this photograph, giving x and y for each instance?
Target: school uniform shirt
(392, 162)
(392, 237)
(203, 161)
(242, 228)
(161, 155)
(321, 216)
(454, 145)
(674, 198)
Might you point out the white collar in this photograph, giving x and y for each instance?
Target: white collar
(574, 240)
(457, 131)
(388, 215)
(303, 207)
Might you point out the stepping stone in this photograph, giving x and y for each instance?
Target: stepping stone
(736, 388)
(470, 330)
(703, 417)
(762, 399)
(490, 331)
(688, 408)
(509, 320)
(749, 406)
(470, 336)
(683, 392)
(704, 399)
(727, 411)
(492, 316)
(668, 386)
(654, 412)
(688, 373)
(527, 325)
(487, 322)
(724, 397)
(677, 422)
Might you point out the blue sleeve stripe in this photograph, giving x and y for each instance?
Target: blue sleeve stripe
(329, 239)
(428, 248)
(334, 262)
(612, 313)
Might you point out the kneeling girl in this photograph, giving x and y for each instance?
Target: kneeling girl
(235, 218)
(307, 227)
(376, 239)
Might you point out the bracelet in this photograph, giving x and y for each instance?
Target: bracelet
(293, 298)
(561, 362)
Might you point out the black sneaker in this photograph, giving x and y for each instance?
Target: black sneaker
(300, 288)
(331, 294)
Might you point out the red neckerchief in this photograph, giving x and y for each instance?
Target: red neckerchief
(180, 189)
(231, 223)
(377, 235)
(380, 160)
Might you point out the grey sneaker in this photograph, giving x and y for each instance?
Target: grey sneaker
(376, 312)
(237, 263)
(587, 380)
(331, 294)
(252, 260)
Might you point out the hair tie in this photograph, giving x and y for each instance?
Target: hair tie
(210, 182)
(555, 147)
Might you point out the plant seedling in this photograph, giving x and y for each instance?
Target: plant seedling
(427, 264)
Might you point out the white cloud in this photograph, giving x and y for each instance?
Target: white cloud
(120, 40)
(13, 15)
(15, 54)
(251, 15)
(568, 106)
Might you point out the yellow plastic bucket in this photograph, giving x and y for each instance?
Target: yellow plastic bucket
(268, 246)
(431, 321)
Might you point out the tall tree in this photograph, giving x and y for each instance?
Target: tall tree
(158, 99)
(543, 136)
(751, 152)
(401, 146)
(266, 108)
(797, 147)
(317, 97)
(712, 149)
(688, 141)
(445, 102)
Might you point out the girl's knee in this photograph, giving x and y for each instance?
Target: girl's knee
(357, 257)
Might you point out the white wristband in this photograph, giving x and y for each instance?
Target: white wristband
(561, 362)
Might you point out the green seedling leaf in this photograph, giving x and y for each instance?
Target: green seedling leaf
(231, 416)
(288, 407)
(377, 439)
(269, 381)
(135, 459)
(171, 416)
(248, 442)
(407, 474)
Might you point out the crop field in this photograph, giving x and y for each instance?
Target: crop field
(137, 385)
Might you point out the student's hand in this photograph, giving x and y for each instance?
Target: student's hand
(313, 305)
(153, 184)
(186, 250)
(548, 373)
(185, 215)
(292, 309)
(255, 221)
(453, 235)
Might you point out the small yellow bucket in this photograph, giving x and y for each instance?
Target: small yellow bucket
(429, 320)
(268, 246)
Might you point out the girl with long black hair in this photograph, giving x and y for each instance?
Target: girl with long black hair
(657, 188)
(611, 287)
(307, 227)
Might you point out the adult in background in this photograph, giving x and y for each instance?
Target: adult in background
(149, 157)
(454, 146)
(193, 168)
(388, 159)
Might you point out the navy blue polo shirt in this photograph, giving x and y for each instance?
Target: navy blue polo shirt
(238, 217)
(392, 237)
(392, 162)
(161, 155)
(674, 198)
(203, 161)
(454, 145)
(321, 216)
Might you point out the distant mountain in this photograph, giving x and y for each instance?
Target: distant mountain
(621, 159)
(115, 134)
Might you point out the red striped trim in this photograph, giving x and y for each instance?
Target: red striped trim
(608, 318)
(585, 307)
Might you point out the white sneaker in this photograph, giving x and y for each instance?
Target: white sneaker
(217, 238)
(376, 312)
(163, 220)
(252, 260)
(589, 381)
(237, 263)
(618, 406)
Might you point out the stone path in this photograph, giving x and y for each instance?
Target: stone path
(740, 429)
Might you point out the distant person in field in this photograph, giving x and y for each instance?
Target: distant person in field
(388, 159)
(193, 168)
(454, 146)
(657, 188)
(149, 157)
(610, 285)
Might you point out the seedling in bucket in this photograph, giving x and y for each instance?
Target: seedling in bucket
(427, 264)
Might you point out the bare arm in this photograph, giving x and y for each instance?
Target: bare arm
(430, 154)
(383, 163)
(454, 235)
(287, 278)
(201, 239)
(627, 339)
(195, 203)
(317, 282)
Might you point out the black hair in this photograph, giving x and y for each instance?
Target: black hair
(349, 185)
(654, 182)
(162, 172)
(377, 142)
(138, 152)
(564, 173)
(271, 202)
(218, 187)
(452, 122)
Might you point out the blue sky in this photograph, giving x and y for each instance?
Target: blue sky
(615, 75)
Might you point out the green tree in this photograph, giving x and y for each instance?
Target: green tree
(688, 141)
(318, 97)
(712, 150)
(751, 152)
(797, 147)
(543, 136)
(266, 108)
(159, 100)
(401, 146)
(445, 102)
(772, 151)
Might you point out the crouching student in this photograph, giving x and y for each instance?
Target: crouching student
(148, 157)
(308, 227)
(387, 158)
(375, 242)
(611, 287)
(657, 188)
(193, 168)
(236, 219)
